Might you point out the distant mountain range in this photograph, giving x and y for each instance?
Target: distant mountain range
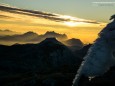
(20, 38)
(32, 37)
(7, 32)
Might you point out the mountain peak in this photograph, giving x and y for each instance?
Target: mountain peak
(56, 35)
(30, 33)
(74, 42)
(50, 41)
(51, 33)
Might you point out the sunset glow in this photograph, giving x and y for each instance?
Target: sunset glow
(22, 20)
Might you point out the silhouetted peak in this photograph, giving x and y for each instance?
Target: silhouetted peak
(50, 33)
(51, 40)
(30, 33)
(64, 34)
(74, 42)
(56, 35)
(53, 33)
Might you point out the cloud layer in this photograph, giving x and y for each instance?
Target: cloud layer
(8, 11)
(22, 20)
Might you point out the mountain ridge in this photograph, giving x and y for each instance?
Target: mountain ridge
(32, 37)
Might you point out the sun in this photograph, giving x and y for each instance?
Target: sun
(71, 24)
(67, 17)
(71, 21)
(74, 24)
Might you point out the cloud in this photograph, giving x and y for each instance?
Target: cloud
(4, 16)
(40, 14)
(31, 13)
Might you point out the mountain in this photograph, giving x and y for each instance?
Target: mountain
(20, 38)
(34, 64)
(74, 44)
(82, 52)
(56, 35)
(30, 37)
(7, 32)
(49, 55)
(54, 55)
(30, 33)
(49, 62)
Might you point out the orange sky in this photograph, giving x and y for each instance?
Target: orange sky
(22, 21)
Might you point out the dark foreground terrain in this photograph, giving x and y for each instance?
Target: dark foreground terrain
(49, 63)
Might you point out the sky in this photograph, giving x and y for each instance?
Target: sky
(81, 19)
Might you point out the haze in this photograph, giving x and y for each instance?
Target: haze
(77, 18)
